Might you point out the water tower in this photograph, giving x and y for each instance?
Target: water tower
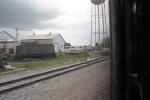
(98, 21)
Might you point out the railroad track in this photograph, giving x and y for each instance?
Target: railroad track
(29, 80)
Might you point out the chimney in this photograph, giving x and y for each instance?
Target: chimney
(16, 33)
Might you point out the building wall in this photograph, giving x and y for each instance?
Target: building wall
(45, 41)
(59, 44)
(38, 41)
(28, 41)
(7, 46)
(7, 42)
(1, 45)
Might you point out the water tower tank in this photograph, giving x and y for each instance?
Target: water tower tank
(97, 2)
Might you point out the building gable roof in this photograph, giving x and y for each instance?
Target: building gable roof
(40, 37)
(61, 37)
(6, 37)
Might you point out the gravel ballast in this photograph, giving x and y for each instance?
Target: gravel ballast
(90, 83)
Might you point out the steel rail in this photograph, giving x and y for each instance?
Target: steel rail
(39, 74)
(29, 80)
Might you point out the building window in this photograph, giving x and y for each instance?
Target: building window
(11, 50)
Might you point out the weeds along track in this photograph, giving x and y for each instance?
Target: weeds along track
(29, 80)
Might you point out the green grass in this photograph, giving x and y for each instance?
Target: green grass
(49, 62)
(96, 53)
(99, 53)
(2, 70)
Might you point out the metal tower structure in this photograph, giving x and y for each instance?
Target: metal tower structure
(98, 21)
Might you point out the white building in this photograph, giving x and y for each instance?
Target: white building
(8, 43)
(55, 39)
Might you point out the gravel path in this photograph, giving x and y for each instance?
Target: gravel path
(90, 83)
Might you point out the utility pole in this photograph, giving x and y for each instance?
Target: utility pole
(16, 33)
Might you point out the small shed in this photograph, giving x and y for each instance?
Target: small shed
(55, 39)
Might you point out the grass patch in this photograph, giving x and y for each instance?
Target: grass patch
(99, 53)
(96, 53)
(60, 58)
(2, 70)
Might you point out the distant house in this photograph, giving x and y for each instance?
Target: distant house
(55, 39)
(7, 42)
(99, 47)
(67, 47)
(78, 49)
(75, 49)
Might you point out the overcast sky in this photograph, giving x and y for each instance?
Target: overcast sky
(70, 18)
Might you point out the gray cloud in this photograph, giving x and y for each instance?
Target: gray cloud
(71, 18)
(23, 15)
